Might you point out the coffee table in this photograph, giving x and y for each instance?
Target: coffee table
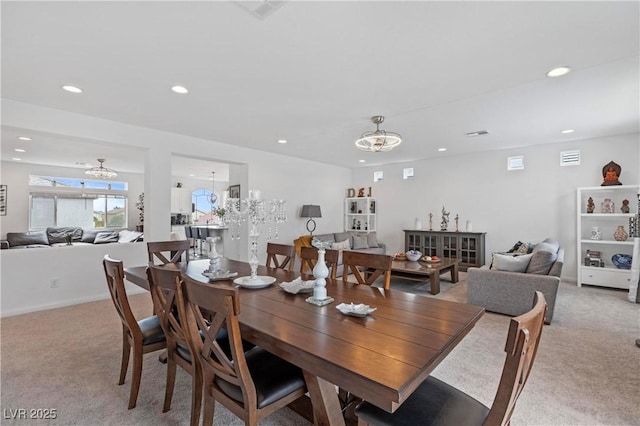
(419, 270)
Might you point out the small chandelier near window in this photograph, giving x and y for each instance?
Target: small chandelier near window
(213, 198)
(101, 172)
(379, 140)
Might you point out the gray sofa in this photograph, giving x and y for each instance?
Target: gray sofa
(56, 236)
(510, 291)
(366, 242)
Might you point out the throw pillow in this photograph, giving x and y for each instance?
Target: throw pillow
(126, 236)
(360, 242)
(25, 239)
(544, 255)
(89, 234)
(342, 245)
(372, 240)
(506, 262)
(515, 247)
(106, 237)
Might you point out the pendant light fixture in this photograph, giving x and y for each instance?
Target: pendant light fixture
(213, 198)
(380, 140)
(101, 172)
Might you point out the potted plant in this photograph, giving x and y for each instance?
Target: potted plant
(140, 207)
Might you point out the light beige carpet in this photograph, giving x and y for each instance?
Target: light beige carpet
(587, 371)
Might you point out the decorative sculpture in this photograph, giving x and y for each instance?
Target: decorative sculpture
(611, 173)
(625, 206)
(456, 219)
(430, 221)
(591, 206)
(445, 220)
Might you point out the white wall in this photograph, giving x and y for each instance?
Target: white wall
(526, 205)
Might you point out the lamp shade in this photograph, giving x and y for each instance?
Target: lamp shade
(310, 210)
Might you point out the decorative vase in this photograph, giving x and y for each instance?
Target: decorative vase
(620, 234)
(469, 227)
(418, 223)
(320, 272)
(596, 234)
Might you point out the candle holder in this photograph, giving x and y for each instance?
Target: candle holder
(256, 212)
(320, 272)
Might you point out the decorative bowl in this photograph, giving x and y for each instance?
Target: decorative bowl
(622, 261)
(413, 255)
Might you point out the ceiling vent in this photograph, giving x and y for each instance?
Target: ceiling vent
(478, 133)
(260, 9)
(570, 158)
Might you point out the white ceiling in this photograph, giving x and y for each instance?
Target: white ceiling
(314, 73)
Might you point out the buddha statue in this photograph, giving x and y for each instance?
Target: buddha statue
(611, 173)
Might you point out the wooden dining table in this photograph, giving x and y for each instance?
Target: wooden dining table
(382, 357)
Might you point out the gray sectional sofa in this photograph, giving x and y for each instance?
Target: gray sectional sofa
(366, 242)
(56, 236)
(507, 286)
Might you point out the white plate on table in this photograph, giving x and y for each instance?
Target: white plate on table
(355, 310)
(266, 281)
(220, 277)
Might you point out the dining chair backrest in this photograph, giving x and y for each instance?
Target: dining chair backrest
(437, 402)
(164, 281)
(309, 258)
(372, 265)
(522, 344)
(280, 256)
(141, 336)
(210, 311)
(178, 251)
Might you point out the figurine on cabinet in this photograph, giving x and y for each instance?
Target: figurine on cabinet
(353, 226)
(607, 206)
(361, 192)
(625, 206)
(591, 206)
(611, 173)
(445, 220)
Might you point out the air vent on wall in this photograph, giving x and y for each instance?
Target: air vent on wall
(570, 158)
(260, 9)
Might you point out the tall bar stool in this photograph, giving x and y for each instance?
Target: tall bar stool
(203, 233)
(188, 232)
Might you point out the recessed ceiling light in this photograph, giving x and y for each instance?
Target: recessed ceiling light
(362, 161)
(16, 159)
(180, 89)
(282, 141)
(24, 138)
(72, 89)
(559, 71)
(567, 131)
(442, 149)
(191, 175)
(19, 150)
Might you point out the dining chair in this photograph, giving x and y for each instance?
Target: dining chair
(188, 233)
(280, 256)
(437, 403)
(309, 258)
(372, 265)
(141, 336)
(178, 251)
(163, 283)
(252, 384)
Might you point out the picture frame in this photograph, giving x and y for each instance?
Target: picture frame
(3, 200)
(234, 191)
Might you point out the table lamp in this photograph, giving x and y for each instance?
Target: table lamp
(311, 211)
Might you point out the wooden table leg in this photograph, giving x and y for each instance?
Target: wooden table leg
(326, 406)
(434, 281)
(454, 273)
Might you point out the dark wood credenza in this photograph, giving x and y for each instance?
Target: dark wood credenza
(466, 246)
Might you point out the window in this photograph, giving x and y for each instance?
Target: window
(73, 202)
(203, 208)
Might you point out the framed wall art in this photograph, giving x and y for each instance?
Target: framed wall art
(3, 200)
(234, 191)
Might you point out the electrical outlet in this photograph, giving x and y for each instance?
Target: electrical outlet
(55, 283)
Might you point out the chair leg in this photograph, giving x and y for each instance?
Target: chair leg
(171, 380)
(209, 401)
(196, 396)
(137, 374)
(126, 350)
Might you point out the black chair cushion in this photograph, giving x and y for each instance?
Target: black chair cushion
(151, 330)
(434, 403)
(274, 378)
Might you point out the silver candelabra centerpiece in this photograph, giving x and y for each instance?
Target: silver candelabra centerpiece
(257, 212)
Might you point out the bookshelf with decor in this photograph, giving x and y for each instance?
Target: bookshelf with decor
(360, 214)
(603, 244)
